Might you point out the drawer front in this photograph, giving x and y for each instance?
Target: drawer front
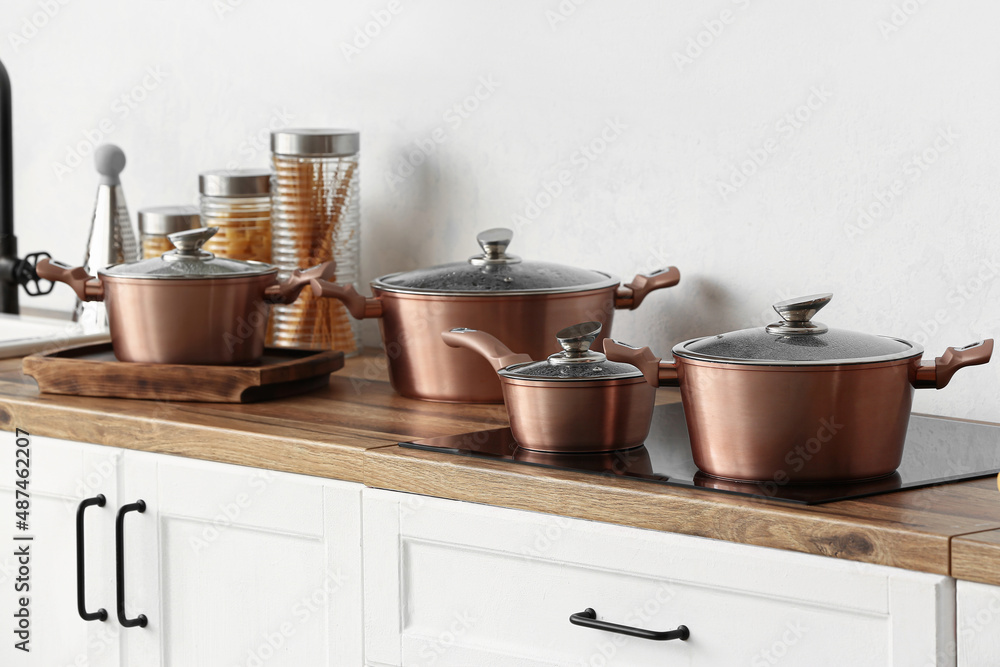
(457, 584)
(978, 629)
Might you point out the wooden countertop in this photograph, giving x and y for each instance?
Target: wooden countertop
(348, 431)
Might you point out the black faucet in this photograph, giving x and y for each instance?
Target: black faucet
(14, 272)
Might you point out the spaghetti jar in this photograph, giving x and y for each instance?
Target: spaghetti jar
(157, 222)
(316, 218)
(238, 202)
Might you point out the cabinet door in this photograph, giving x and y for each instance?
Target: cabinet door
(450, 584)
(62, 473)
(240, 566)
(978, 624)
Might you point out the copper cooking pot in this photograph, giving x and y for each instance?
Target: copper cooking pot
(519, 302)
(573, 401)
(187, 306)
(796, 401)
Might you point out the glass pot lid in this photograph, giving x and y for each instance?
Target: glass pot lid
(495, 272)
(797, 341)
(187, 260)
(576, 362)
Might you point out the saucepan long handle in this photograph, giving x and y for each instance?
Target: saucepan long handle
(485, 345)
(937, 374)
(86, 287)
(657, 372)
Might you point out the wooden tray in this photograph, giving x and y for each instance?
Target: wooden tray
(92, 370)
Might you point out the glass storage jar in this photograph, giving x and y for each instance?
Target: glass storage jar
(156, 222)
(238, 202)
(316, 218)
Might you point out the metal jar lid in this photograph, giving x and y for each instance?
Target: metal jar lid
(797, 341)
(576, 362)
(163, 220)
(188, 261)
(305, 141)
(235, 183)
(495, 272)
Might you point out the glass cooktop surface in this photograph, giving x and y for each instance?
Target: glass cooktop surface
(937, 450)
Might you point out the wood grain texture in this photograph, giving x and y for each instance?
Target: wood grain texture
(977, 557)
(92, 370)
(348, 430)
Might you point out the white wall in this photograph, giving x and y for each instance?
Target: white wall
(654, 196)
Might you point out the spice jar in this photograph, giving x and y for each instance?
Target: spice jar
(316, 219)
(238, 202)
(157, 222)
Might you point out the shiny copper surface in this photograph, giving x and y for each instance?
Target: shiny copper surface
(422, 366)
(634, 461)
(599, 416)
(798, 424)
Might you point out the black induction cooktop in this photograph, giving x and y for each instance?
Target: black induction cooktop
(937, 451)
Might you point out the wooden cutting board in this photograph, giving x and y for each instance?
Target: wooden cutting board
(93, 370)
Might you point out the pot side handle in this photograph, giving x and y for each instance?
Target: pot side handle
(86, 286)
(937, 374)
(658, 373)
(485, 345)
(288, 290)
(631, 294)
(359, 306)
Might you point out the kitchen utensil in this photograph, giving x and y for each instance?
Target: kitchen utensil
(238, 202)
(796, 401)
(519, 302)
(156, 223)
(111, 239)
(316, 218)
(187, 306)
(573, 401)
(93, 370)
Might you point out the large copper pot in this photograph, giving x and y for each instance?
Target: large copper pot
(186, 307)
(519, 302)
(796, 402)
(573, 401)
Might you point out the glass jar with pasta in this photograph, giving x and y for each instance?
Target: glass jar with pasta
(238, 202)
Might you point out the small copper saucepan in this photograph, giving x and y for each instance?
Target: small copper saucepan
(573, 401)
(796, 401)
(187, 306)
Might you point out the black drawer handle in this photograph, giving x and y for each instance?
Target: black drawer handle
(140, 620)
(81, 596)
(588, 619)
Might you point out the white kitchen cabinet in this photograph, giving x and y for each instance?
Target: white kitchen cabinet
(978, 628)
(239, 566)
(62, 474)
(450, 583)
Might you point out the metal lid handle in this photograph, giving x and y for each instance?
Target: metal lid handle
(796, 315)
(188, 243)
(494, 243)
(577, 339)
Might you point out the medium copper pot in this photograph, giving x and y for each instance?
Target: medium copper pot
(797, 402)
(575, 401)
(519, 302)
(186, 307)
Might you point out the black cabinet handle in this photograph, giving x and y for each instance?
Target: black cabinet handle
(588, 619)
(140, 620)
(81, 597)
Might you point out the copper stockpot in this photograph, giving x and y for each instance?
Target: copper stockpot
(186, 307)
(783, 413)
(574, 401)
(519, 302)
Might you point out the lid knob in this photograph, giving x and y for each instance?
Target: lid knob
(187, 244)
(494, 243)
(796, 315)
(576, 341)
